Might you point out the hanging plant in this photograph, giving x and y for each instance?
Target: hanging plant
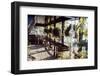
(67, 30)
(50, 30)
(56, 32)
(46, 30)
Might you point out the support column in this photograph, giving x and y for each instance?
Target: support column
(62, 31)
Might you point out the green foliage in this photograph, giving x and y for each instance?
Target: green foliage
(56, 32)
(67, 31)
(50, 30)
(46, 30)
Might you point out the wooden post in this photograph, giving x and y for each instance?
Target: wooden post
(62, 31)
(54, 38)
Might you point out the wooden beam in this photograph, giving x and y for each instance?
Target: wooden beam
(60, 19)
(39, 24)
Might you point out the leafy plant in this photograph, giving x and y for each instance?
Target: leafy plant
(50, 30)
(67, 30)
(46, 30)
(56, 32)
